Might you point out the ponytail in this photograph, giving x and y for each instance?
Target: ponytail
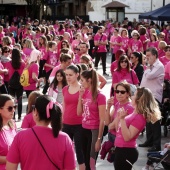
(94, 84)
(92, 74)
(49, 112)
(56, 120)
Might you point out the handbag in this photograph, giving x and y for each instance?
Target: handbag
(45, 150)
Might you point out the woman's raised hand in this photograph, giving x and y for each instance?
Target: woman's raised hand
(110, 102)
(81, 91)
(122, 113)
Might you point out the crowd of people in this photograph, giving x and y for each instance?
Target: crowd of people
(61, 59)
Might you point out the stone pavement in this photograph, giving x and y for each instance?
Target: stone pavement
(104, 164)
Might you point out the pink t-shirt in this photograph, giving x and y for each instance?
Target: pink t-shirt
(26, 150)
(113, 66)
(11, 70)
(167, 71)
(29, 36)
(33, 68)
(119, 76)
(70, 116)
(90, 115)
(51, 59)
(117, 39)
(1, 37)
(135, 45)
(143, 38)
(27, 51)
(125, 43)
(61, 32)
(127, 106)
(136, 120)
(6, 139)
(164, 60)
(153, 44)
(161, 53)
(43, 52)
(28, 121)
(101, 48)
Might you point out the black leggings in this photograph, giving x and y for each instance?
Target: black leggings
(89, 140)
(75, 133)
(125, 158)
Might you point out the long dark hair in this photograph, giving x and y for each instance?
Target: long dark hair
(3, 99)
(16, 59)
(55, 113)
(139, 56)
(123, 57)
(54, 83)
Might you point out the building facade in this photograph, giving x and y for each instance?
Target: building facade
(86, 9)
(136, 7)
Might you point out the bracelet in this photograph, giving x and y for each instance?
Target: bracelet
(98, 138)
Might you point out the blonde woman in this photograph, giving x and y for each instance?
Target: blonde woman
(28, 47)
(126, 153)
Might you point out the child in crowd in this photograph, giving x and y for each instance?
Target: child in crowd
(55, 89)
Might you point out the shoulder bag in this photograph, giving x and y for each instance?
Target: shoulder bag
(45, 150)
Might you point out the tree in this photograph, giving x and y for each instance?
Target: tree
(34, 7)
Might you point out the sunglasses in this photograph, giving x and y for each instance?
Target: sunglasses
(120, 91)
(124, 61)
(10, 108)
(6, 51)
(167, 50)
(135, 35)
(63, 44)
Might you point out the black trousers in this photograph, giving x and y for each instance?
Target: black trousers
(47, 83)
(17, 93)
(102, 56)
(125, 158)
(153, 133)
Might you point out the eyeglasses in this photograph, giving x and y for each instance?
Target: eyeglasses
(6, 51)
(120, 91)
(124, 61)
(10, 108)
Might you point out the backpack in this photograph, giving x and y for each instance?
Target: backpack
(24, 79)
(14, 82)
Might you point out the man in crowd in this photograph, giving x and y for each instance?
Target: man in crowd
(153, 79)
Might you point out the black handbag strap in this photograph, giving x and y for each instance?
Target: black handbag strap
(101, 37)
(45, 150)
